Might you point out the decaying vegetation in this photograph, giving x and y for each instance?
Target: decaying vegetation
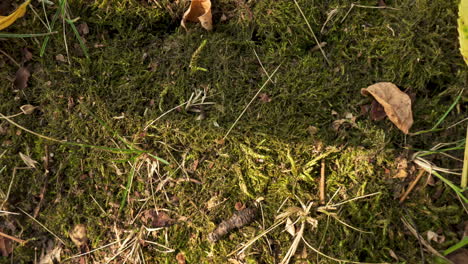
(145, 136)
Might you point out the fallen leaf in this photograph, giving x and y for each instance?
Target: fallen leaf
(28, 161)
(264, 98)
(83, 29)
(239, 206)
(60, 58)
(180, 257)
(290, 228)
(79, 235)
(156, 219)
(312, 130)
(51, 255)
(402, 166)
(27, 109)
(27, 55)
(5, 248)
(6, 21)
(460, 256)
(22, 78)
(377, 112)
(433, 236)
(199, 10)
(396, 103)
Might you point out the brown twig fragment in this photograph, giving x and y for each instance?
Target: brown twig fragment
(421, 239)
(412, 185)
(12, 238)
(238, 220)
(322, 183)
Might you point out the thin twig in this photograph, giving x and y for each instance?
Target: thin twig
(263, 68)
(420, 238)
(39, 223)
(8, 56)
(412, 185)
(364, 6)
(251, 101)
(322, 183)
(21, 241)
(313, 34)
(355, 198)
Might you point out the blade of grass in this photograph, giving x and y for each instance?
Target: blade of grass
(441, 119)
(80, 40)
(46, 40)
(458, 245)
(131, 175)
(115, 150)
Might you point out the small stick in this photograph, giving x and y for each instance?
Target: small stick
(251, 101)
(421, 239)
(9, 57)
(412, 185)
(13, 238)
(313, 34)
(322, 183)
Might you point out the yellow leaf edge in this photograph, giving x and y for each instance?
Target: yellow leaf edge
(6, 21)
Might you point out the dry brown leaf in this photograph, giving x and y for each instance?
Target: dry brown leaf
(396, 103)
(28, 161)
(27, 109)
(264, 97)
(156, 219)
(79, 235)
(290, 228)
(60, 58)
(433, 236)
(402, 167)
(180, 257)
(239, 206)
(83, 29)
(199, 11)
(51, 254)
(5, 248)
(22, 78)
(27, 55)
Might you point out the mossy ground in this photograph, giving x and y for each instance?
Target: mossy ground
(139, 68)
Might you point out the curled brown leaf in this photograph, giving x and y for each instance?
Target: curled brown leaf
(22, 78)
(396, 104)
(199, 11)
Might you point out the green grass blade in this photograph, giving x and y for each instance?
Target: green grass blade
(130, 177)
(46, 40)
(442, 118)
(80, 40)
(451, 185)
(458, 245)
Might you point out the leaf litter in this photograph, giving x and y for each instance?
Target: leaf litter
(199, 11)
(396, 104)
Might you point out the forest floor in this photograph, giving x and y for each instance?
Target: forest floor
(130, 138)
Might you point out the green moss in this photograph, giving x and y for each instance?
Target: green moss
(140, 67)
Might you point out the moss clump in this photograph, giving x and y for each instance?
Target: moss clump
(140, 68)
